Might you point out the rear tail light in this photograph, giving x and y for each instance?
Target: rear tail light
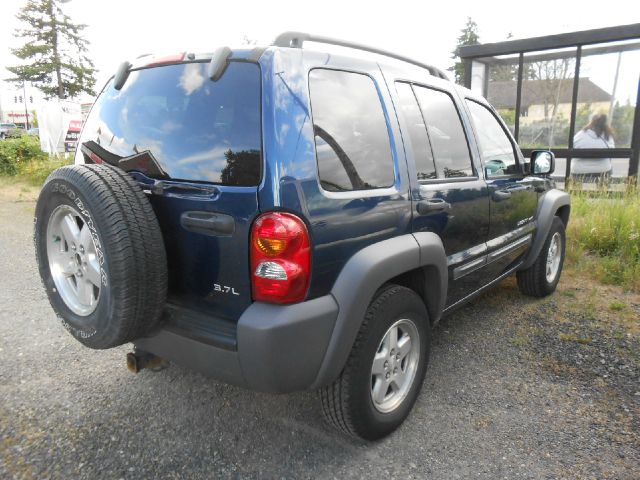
(280, 258)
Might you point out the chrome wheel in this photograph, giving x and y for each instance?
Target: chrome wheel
(554, 256)
(395, 365)
(73, 262)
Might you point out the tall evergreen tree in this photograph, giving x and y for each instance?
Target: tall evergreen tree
(468, 36)
(54, 52)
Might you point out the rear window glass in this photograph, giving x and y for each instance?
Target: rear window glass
(173, 122)
(352, 141)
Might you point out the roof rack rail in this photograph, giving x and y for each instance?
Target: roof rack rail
(296, 39)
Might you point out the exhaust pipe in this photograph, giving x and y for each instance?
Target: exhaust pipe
(139, 360)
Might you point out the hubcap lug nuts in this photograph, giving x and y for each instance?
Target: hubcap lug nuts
(386, 364)
(387, 375)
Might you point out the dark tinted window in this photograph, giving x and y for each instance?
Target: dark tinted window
(352, 141)
(417, 132)
(496, 149)
(173, 122)
(448, 140)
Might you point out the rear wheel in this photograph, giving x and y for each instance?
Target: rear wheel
(386, 367)
(100, 254)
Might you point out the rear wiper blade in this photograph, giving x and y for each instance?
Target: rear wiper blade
(169, 188)
(162, 187)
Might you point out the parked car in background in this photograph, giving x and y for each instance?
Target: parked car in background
(10, 130)
(34, 132)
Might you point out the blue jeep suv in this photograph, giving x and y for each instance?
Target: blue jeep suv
(284, 219)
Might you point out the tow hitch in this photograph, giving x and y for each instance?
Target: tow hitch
(139, 360)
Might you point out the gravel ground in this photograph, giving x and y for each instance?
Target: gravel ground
(516, 389)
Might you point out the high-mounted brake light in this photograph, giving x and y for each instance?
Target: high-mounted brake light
(168, 59)
(280, 258)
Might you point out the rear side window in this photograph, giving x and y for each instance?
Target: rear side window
(417, 132)
(352, 141)
(496, 149)
(448, 141)
(174, 122)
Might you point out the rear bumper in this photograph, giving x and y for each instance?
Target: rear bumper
(274, 348)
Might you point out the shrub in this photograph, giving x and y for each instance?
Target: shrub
(15, 152)
(23, 156)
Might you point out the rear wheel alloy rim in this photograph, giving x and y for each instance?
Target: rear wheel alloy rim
(553, 257)
(73, 261)
(395, 365)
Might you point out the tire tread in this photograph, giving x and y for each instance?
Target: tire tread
(131, 236)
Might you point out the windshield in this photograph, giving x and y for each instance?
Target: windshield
(174, 122)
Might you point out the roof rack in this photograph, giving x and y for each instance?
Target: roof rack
(296, 39)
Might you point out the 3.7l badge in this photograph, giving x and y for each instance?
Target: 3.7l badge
(224, 289)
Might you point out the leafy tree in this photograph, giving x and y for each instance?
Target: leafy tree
(242, 168)
(246, 40)
(54, 53)
(468, 36)
(622, 123)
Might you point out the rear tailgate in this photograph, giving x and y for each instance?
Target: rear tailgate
(196, 144)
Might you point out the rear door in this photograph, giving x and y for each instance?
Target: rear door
(450, 198)
(196, 146)
(513, 197)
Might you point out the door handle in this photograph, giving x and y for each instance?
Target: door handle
(501, 195)
(434, 205)
(208, 223)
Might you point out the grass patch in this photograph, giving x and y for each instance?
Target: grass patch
(570, 337)
(604, 236)
(36, 172)
(520, 340)
(617, 306)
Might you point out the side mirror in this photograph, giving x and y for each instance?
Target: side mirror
(543, 162)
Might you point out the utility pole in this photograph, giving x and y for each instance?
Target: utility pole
(26, 111)
(615, 87)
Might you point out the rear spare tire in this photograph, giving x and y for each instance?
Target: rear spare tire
(100, 254)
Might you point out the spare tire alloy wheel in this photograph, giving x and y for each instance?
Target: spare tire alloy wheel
(74, 260)
(100, 254)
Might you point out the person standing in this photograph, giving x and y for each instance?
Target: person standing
(597, 134)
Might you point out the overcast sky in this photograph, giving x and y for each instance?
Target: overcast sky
(123, 29)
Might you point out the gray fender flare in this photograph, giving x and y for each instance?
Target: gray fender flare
(548, 206)
(364, 273)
